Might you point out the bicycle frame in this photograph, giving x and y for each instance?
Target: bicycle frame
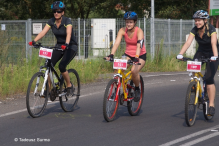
(197, 77)
(120, 75)
(48, 72)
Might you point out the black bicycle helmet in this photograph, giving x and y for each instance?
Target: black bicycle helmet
(130, 16)
(57, 5)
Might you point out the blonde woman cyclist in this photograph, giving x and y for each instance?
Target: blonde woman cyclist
(206, 36)
(135, 48)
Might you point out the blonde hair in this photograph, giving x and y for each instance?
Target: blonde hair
(207, 27)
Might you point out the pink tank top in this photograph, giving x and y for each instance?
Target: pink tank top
(131, 44)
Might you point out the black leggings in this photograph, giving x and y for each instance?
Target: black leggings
(211, 67)
(66, 56)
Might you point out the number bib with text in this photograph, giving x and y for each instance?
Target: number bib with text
(194, 66)
(120, 64)
(45, 53)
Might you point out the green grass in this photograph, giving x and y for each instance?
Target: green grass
(14, 78)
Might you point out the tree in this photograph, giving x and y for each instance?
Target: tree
(41, 9)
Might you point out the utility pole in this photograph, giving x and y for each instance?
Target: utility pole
(152, 30)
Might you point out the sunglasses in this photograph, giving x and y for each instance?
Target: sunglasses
(55, 11)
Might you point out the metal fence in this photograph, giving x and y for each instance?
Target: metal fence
(169, 35)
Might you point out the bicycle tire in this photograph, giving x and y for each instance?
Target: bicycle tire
(33, 108)
(135, 107)
(110, 106)
(68, 103)
(190, 117)
(207, 117)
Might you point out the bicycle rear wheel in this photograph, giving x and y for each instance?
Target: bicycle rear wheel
(110, 106)
(135, 107)
(190, 107)
(68, 103)
(205, 106)
(34, 102)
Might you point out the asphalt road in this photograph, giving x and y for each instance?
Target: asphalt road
(160, 122)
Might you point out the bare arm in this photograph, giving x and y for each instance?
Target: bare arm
(118, 40)
(214, 44)
(68, 32)
(187, 44)
(42, 33)
(140, 35)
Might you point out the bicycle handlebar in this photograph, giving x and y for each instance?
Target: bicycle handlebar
(201, 59)
(128, 62)
(55, 48)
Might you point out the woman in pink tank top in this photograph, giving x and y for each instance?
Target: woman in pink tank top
(135, 48)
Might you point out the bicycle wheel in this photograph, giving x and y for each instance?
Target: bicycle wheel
(68, 103)
(205, 106)
(190, 107)
(110, 106)
(34, 102)
(134, 107)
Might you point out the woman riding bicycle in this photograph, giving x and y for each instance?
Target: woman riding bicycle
(206, 36)
(62, 28)
(135, 48)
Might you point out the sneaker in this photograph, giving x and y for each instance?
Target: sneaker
(70, 90)
(137, 95)
(211, 111)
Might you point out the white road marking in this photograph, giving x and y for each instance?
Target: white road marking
(49, 103)
(214, 130)
(200, 139)
(174, 74)
(189, 136)
(19, 111)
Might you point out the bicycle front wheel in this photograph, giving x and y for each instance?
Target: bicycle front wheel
(134, 107)
(190, 107)
(110, 105)
(34, 102)
(68, 103)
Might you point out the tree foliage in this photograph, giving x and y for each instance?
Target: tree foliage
(41, 9)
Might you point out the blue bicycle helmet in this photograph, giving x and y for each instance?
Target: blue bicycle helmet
(130, 16)
(57, 5)
(201, 14)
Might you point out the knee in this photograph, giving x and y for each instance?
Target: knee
(134, 72)
(62, 68)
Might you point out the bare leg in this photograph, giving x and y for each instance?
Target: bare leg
(67, 78)
(135, 72)
(211, 94)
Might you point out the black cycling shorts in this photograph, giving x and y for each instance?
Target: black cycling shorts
(211, 67)
(141, 56)
(65, 56)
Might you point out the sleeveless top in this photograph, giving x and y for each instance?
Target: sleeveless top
(131, 44)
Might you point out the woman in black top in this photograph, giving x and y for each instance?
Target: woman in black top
(206, 36)
(62, 28)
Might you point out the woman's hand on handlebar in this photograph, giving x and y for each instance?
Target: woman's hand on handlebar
(180, 57)
(109, 57)
(32, 43)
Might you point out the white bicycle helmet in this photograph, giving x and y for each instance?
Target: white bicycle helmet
(201, 14)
